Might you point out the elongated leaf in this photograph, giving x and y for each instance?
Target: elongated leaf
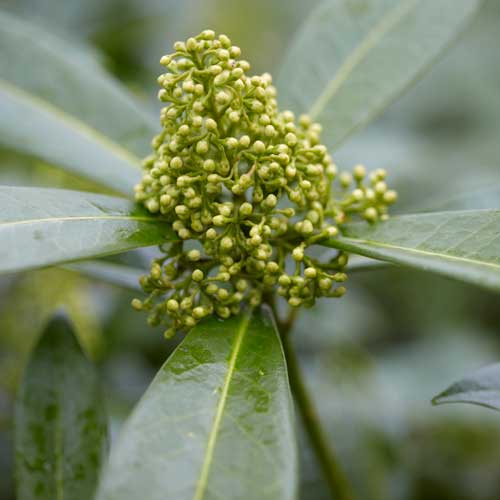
(216, 422)
(109, 272)
(476, 199)
(464, 245)
(41, 227)
(31, 126)
(352, 58)
(60, 420)
(57, 103)
(480, 388)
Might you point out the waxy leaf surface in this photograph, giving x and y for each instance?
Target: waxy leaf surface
(217, 421)
(463, 245)
(352, 58)
(60, 420)
(480, 388)
(41, 227)
(115, 274)
(58, 104)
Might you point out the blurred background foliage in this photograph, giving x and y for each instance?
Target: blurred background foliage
(373, 359)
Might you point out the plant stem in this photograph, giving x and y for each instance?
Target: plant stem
(338, 483)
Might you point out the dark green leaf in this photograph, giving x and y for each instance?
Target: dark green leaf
(217, 421)
(58, 104)
(352, 58)
(480, 388)
(41, 227)
(60, 421)
(464, 245)
(110, 272)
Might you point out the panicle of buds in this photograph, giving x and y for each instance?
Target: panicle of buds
(248, 189)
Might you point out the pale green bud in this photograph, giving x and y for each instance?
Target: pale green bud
(359, 172)
(390, 196)
(199, 312)
(194, 255)
(310, 272)
(197, 275)
(172, 305)
(370, 214)
(259, 147)
(298, 253)
(246, 209)
(202, 147)
(137, 304)
(226, 243)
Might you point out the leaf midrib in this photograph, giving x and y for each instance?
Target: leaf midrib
(71, 122)
(77, 219)
(419, 252)
(214, 432)
(373, 37)
(59, 452)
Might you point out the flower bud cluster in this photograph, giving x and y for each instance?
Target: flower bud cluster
(248, 190)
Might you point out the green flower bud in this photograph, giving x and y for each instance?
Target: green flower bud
(242, 285)
(226, 243)
(197, 275)
(246, 209)
(172, 305)
(186, 303)
(259, 147)
(225, 159)
(137, 304)
(199, 312)
(298, 253)
(202, 147)
(194, 255)
(211, 124)
(359, 172)
(390, 197)
(310, 272)
(370, 214)
(211, 234)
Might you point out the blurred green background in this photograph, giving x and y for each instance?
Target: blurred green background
(373, 359)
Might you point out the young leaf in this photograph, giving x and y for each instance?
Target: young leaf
(351, 59)
(464, 245)
(480, 388)
(41, 227)
(217, 421)
(57, 103)
(60, 421)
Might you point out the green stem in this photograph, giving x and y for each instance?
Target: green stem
(338, 483)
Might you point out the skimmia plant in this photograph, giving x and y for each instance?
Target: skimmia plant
(239, 193)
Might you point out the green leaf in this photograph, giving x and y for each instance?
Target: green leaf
(488, 197)
(479, 388)
(60, 420)
(29, 126)
(110, 272)
(58, 104)
(41, 227)
(217, 421)
(357, 263)
(464, 245)
(351, 59)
